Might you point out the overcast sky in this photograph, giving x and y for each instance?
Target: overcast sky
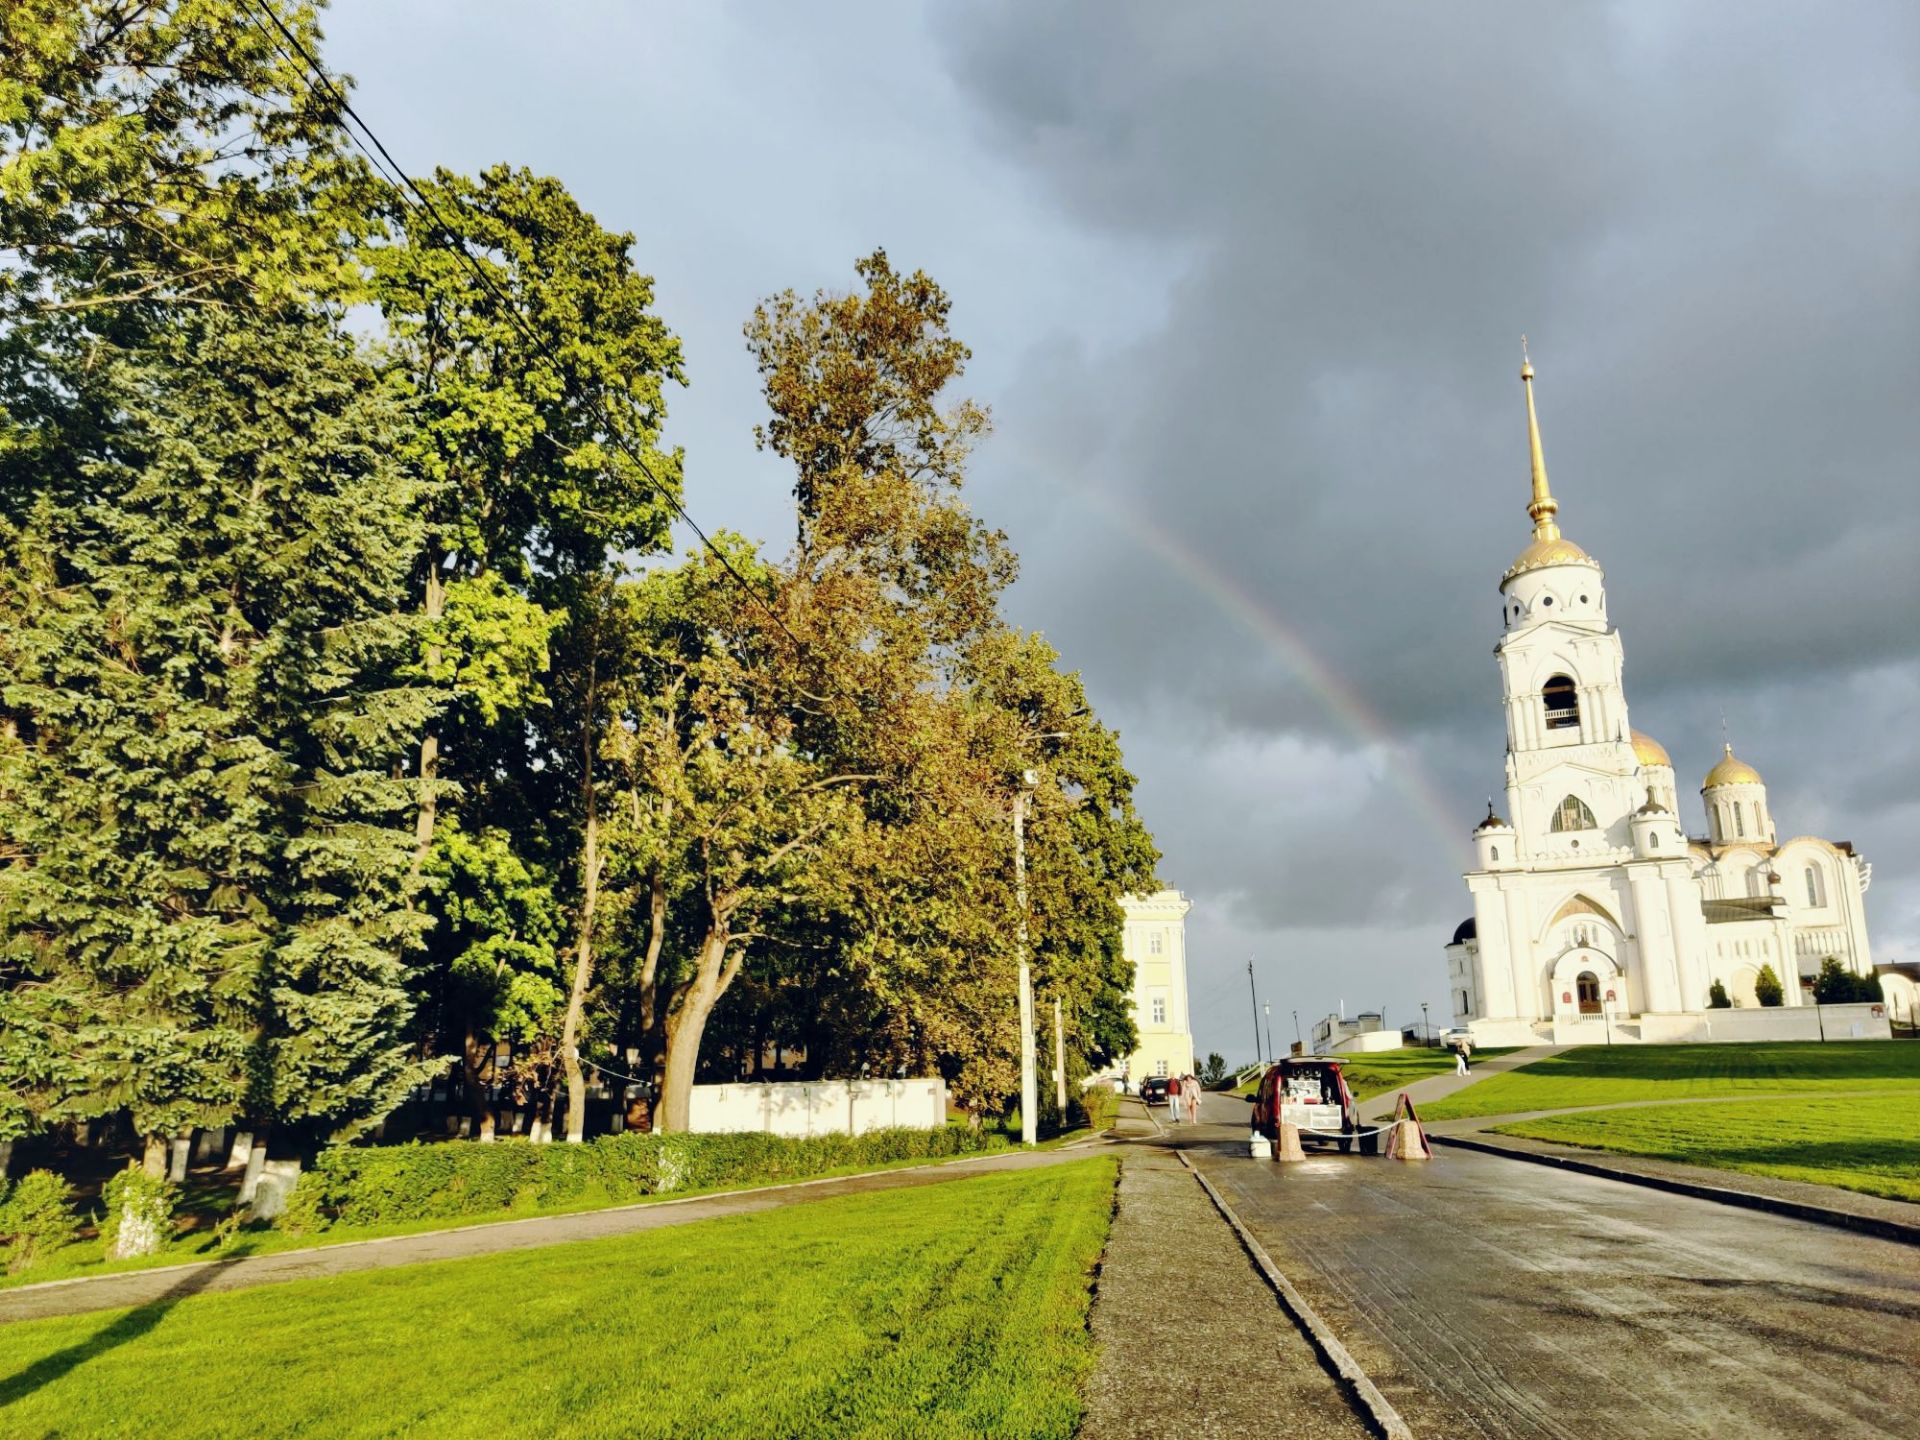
(1245, 286)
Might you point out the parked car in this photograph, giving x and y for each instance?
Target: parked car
(1153, 1090)
(1454, 1038)
(1309, 1091)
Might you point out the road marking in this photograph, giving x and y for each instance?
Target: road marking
(1378, 1410)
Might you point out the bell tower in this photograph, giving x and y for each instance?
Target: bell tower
(1570, 759)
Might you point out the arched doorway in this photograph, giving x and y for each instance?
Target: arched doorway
(1587, 987)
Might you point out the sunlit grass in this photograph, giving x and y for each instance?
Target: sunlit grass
(1601, 1075)
(952, 1310)
(1869, 1143)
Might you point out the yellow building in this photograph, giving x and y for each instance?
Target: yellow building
(1156, 943)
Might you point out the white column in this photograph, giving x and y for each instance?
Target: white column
(1526, 987)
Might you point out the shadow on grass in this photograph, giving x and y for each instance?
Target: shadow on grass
(130, 1325)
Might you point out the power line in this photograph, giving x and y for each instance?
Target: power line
(396, 175)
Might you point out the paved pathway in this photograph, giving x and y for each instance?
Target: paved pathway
(175, 1282)
(1488, 1297)
(1437, 1087)
(1192, 1341)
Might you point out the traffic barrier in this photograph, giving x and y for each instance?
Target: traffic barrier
(1406, 1139)
(1259, 1147)
(1288, 1149)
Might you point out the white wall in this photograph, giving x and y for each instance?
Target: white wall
(1786, 1022)
(822, 1107)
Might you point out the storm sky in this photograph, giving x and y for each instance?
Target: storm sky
(1245, 287)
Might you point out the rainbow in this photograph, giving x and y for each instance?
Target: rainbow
(1286, 645)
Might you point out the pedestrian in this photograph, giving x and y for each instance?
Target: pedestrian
(1193, 1089)
(1173, 1098)
(1460, 1057)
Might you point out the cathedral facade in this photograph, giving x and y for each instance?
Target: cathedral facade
(1594, 911)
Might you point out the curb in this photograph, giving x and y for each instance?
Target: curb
(1895, 1230)
(1375, 1408)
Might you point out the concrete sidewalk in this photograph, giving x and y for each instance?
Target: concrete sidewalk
(1191, 1338)
(142, 1287)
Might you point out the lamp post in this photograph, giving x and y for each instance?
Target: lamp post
(1029, 1087)
(1296, 1030)
(1426, 1025)
(1267, 1010)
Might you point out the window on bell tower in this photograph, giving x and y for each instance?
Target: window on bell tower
(1563, 703)
(1573, 814)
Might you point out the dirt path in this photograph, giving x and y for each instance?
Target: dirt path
(172, 1282)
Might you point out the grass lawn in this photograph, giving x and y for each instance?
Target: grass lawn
(1602, 1074)
(953, 1310)
(1869, 1143)
(1372, 1073)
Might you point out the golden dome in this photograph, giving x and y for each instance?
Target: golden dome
(1548, 550)
(1649, 751)
(1732, 772)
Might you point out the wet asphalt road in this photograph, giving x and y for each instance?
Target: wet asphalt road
(1490, 1297)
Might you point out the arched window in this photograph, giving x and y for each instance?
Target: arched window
(1816, 889)
(1739, 824)
(1573, 815)
(1563, 703)
(1494, 851)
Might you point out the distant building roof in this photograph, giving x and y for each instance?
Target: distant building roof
(1466, 930)
(1745, 907)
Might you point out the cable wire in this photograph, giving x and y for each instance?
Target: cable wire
(298, 53)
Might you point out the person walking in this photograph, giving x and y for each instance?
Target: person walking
(1173, 1098)
(1460, 1057)
(1193, 1089)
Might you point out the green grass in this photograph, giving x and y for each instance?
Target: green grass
(1601, 1075)
(1378, 1071)
(953, 1310)
(205, 1203)
(1869, 1143)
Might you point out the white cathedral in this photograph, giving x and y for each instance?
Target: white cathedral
(1593, 910)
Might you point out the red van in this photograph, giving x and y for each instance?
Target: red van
(1309, 1091)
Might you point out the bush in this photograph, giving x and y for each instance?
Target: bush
(139, 1213)
(1099, 1105)
(1837, 985)
(355, 1185)
(35, 1220)
(1717, 998)
(1767, 988)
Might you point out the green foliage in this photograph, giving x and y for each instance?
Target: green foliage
(1099, 1105)
(944, 1312)
(1837, 985)
(1767, 988)
(1213, 1074)
(139, 1214)
(353, 1185)
(1717, 997)
(35, 1220)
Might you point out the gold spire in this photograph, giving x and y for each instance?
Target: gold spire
(1543, 506)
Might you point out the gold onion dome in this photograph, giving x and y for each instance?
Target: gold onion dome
(1549, 546)
(1732, 771)
(1649, 751)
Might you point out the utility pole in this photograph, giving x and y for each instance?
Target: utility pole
(1267, 1010)
(1029, 1086)
(1296, 1031)
(1255, 993)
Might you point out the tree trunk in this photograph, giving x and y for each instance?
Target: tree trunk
(428, 799)
(154, 1160)
(687, 1022)
(582, 971)
(475, 1069)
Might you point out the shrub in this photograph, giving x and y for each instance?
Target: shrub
(1100, 1105)
(1837, 985)
(380, 1185)
(139, 1213)
(35, 1220)
(1767, 988)
(1717, 998)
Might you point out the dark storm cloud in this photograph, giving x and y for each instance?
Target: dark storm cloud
(1709, 232)
(1707, 221)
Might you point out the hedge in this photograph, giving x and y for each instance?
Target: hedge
(375, 1185)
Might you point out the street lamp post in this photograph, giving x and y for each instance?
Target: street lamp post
(1267, 1010)
(1296, 1031)
(1029, 1086)
(1426, 1025)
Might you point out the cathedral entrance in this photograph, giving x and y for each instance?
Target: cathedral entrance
(1588, 988)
